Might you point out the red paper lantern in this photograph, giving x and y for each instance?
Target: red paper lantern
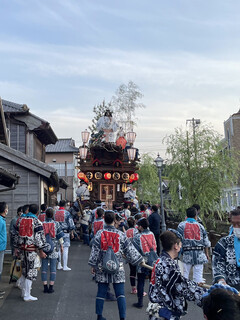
(132, 177)
(107, 176)
(81, 175)
(136, 176)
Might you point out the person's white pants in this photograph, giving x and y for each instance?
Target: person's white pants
(65, 257)
(59, 256)
(197, 272)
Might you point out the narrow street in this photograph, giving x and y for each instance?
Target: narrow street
(74, 297)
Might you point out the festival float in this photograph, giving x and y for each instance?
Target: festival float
(108, 162)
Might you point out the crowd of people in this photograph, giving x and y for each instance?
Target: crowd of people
(133, 236)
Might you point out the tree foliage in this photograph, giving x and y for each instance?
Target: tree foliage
(123, 105)
(199, 168)
(125, 102)
(148, 183)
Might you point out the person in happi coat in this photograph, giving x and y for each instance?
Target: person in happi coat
(85, 219)
(169, 290)
(195, 244)
(66, 222)
(226, 255)
(131, 233)
(30, 242)
(98, 205)
(144, 241)
(144, 211)
(42, 215)
(98, 222)
(197, 207)
(53, 230)
(82, 192)
(122, 246)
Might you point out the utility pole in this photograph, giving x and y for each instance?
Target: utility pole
(195, 123)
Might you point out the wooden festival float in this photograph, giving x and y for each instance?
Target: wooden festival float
(108, 164)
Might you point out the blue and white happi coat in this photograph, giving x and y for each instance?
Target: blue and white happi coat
(54, 229)
(121, 245)
(131, 233)
(194, 240)
(144, 241)
(66, 222)
(224, 262)
(29, 238)
(169, 289)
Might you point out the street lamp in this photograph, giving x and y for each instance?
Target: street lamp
(159, 163)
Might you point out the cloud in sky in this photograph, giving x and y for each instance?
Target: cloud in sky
(63, 57)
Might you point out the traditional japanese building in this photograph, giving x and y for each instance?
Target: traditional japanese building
(62, 156)
(24, 175)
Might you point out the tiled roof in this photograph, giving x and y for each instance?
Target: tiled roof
(9, 106)
(31, 164)
(62, 145)
(40, 126)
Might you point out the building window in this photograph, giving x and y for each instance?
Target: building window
(17, 136)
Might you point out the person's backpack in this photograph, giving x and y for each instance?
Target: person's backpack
(152, 256)
(50, 245)
(110, 261)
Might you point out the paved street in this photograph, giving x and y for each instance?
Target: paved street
(74, 297)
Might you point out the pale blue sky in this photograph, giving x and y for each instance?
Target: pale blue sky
(61, 57)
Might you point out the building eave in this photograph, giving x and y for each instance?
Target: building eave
(26, 161)
(8, 178)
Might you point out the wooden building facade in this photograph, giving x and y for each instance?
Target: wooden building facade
(22, 154)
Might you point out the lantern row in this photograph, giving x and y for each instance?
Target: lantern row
(108, 176)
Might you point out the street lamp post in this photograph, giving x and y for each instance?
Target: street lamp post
(159, 163)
